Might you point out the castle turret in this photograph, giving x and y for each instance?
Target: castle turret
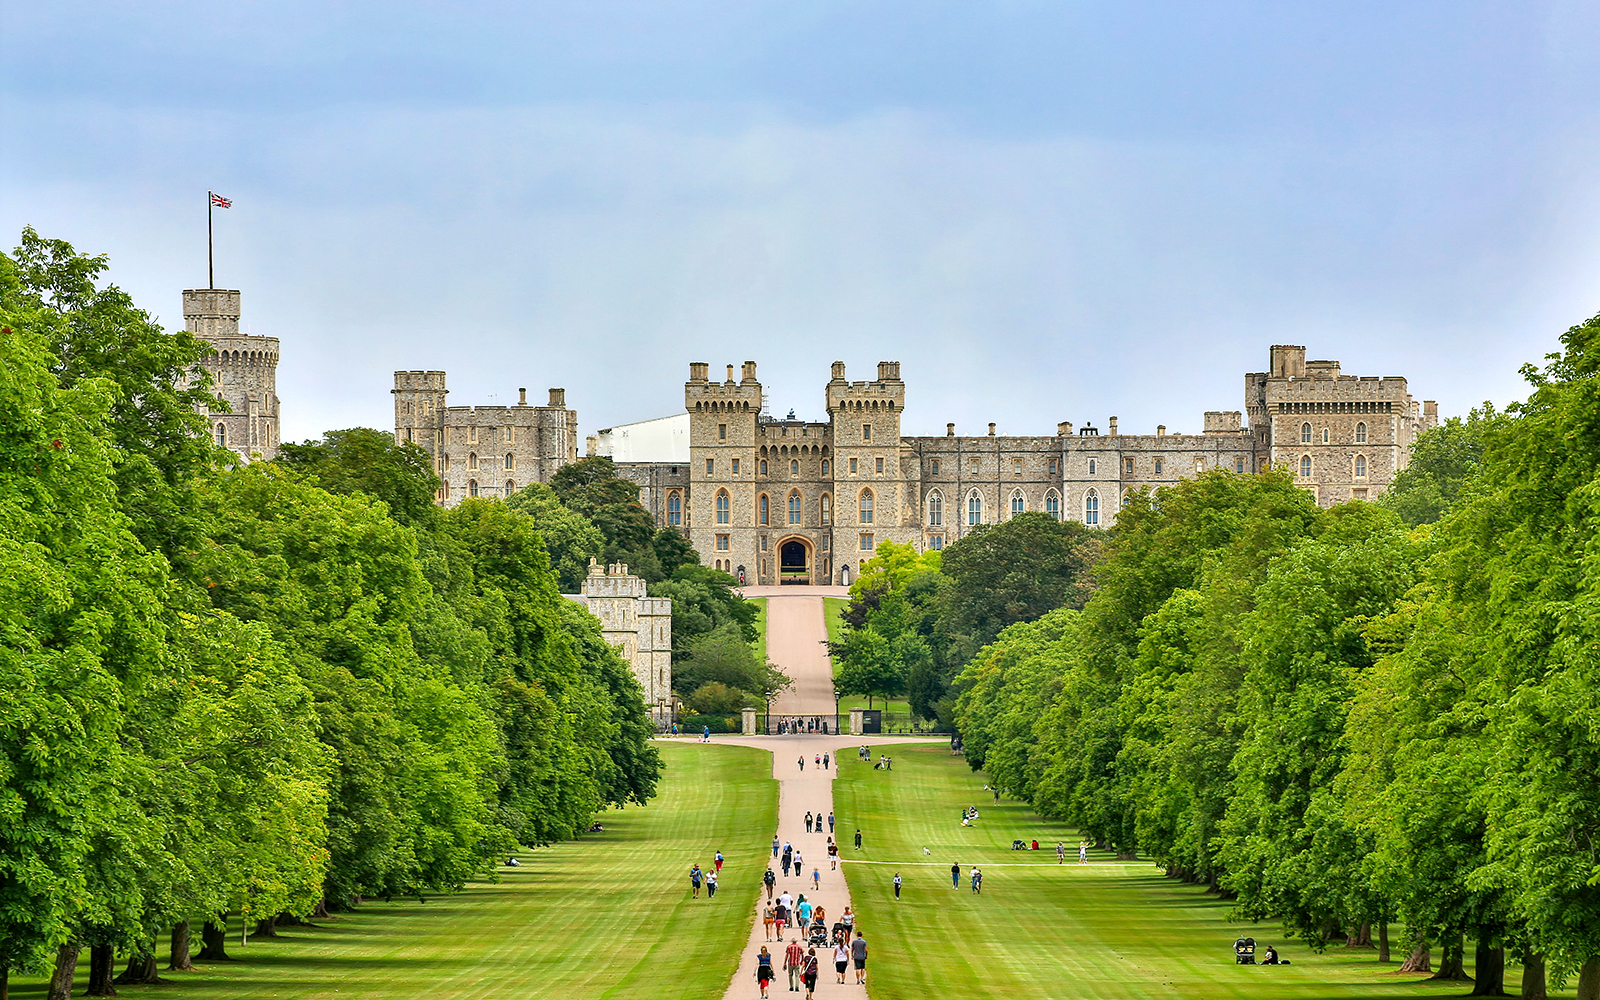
(244, 373)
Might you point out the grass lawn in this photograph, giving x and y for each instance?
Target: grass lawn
(761, 627)
(1105, 930)
(832, 608)
(606, 916)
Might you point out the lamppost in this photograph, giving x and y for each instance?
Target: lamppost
(836, 728)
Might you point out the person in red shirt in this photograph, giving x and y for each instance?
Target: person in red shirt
(794, 959)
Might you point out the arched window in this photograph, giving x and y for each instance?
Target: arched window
(1361, 433)
(826, 509)
(1305, 466)
(511, 488)
(1091, 508)
(1305, 433)
(472, 460)
(1325, 436)
(763, 466)
(1361, 466)
(444, 491)
(794, 507)
(472, 487)
(866, 506)
(674, 509)
(1052, 505)
(935, 510)
(722, 506)
(974, 508)
(1199, 466)
(222, 436)
(825, 467)
(511, 461)
(761, 509)
(1018, 505)
(794, 467)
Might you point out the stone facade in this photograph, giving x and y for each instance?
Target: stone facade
(244, 374)
(639, 625)
(790, 501)
(489, 451)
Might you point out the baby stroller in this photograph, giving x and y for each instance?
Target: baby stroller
(818, 935)
(838, 936)
(1244, 951)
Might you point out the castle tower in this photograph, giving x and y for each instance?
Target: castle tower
(874, 501)
(419, 407)
(723, 440)
(244, 373)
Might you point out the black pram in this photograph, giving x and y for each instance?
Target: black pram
(1244, 951)
(817, 934)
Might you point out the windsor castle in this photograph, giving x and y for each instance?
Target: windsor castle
(780, 501)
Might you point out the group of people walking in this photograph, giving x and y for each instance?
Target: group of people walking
(803, 965)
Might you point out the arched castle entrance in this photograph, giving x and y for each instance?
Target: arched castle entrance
(794, 561)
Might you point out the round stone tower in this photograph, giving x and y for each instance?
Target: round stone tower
(244, 373)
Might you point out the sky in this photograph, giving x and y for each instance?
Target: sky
(1044, 211)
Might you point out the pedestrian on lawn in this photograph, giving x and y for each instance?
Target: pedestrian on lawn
(858, 840)
(767, 916)
(808, 822)
(1083, 853)
(711, 884)
(858, 951)
(794, 962)
(841, 957)
(719, 861)
(809, 976)
(977, 881)
(830, 820)
(897, 886)
(695, 876)
(1061, 853)
(955, 876)
(764, 970)
(816, 878)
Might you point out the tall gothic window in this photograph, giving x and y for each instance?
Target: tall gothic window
(974, 508)
(1305, 466)
(1305, 433)
(866, 506)
(1091, 508)
(722, 506)
(935, 510)
(511, 488)
(761, 509)
(1361, 433)
(472, 487)
(1052, 505)
(222, 436)
(674, 509)
(511, 461)
(826, 509)
(1018, 505)
(1361, 466)
(472, 460)
(794, 507)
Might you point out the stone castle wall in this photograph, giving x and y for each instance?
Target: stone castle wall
(244, 374)
(639, 625)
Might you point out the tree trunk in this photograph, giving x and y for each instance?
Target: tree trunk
(180, 962)
(102, 964)
(1362, 938)
(1421, 959)
(1489, 962)
(215, 944)
(61, 977)
(322, 908)
(1383, 940)
(267, 927)
(1453, 965)
(1588, 979)
(5, 983)
(141, 970)
(1533, 987)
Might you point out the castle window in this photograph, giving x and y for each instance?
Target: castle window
(722, 506)
(511, 461)
(511, 487)
(1018, 505)
(439, 435)
(972, 465)
(472, 487)
(1016, 466)
(794, 507)
(866, 542)
(1091, 508)
(761, 509)
(1091, 466)
(736, 466)
(1358, 494)
(825, 467)
(674, 509)
(794, 467)
(934, 468)
(222, 436)
(880, 466)
(447, 463)
(1052, 505)
(472, 460)
(866, 506)
(1053, 466)
(1325, 437)
(1361, 466)
(472, 435)
(763, 467)
(1238, 465)
(722, 432)
(444, 491)
(710, 464)
(827, 509)
(1305, 466)
(511, 435)
(763, 549)
(1127, 467)
(1158, 466)
(722, 543)
(1361, 433)
(866, 432)
(974, 508)
(936, 542)
(935, 510)
(1305, 433)
(852, 466)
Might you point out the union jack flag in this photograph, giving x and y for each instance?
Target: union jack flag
(221, 202)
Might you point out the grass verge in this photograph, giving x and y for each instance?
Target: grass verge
(1103, 930)
(605, 916)
(761, 627)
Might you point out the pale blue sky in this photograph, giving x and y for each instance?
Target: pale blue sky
(1046, 212)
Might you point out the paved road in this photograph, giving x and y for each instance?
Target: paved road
(797, 633)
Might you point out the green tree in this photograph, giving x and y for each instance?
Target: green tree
(569, 537)
(367, 461)
(591, 487)
(703, 601)
(1444, 461)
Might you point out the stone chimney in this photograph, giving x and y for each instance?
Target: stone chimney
(591, 445)
(699, 371)
(730, 375)
(558, 398)
(1111, 427)
(1161, 430)
(949, 430)
(1064, 429)
(522, 396)
(749, 372)
(991, 430)
(838, 371)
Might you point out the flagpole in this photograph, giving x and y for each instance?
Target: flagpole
(211, 273)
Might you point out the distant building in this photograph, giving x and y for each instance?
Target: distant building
(664, 439)
(244, 373)
(639, 624)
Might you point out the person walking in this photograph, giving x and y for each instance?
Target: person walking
(705, 735)
(802, 912)
(774, 847)
(841, 957)
(816, 878)
(1083, 853)
(858, 952)
(955, 876)
(780, 918)
(802, 763)
(848, 918)
(809, 975)
(794, 962)
(858, 840)
(695, 876)
(808, 821)
(816, 761)
(1061, 853)
(977, 881)
(799, 863)
(767, 918)
(897, 887)
(824, 762)
(830, 820)
(711, 884)
(833, 855)
(788, 855)
(769, 880)
(719, 861)
(764, 969)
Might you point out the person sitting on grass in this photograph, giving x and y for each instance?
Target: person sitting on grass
(1270, 956)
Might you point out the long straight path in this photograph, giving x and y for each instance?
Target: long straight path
(797, 642)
